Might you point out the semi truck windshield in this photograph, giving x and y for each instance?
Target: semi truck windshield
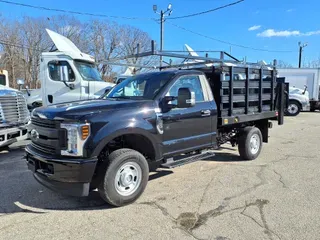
(88, 71)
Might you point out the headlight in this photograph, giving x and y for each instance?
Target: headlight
(77, 135)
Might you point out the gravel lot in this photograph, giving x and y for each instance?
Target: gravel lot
(276, 196)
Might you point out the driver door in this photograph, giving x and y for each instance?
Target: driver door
(56, 75)
(187, 129)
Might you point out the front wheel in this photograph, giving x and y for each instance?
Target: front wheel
(293, 109)
(250, 143)
(126, 177)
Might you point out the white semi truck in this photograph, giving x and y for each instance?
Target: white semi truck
(306, 79)
(66, 75)
(14, 114)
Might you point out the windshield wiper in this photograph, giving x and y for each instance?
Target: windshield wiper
(121, 97)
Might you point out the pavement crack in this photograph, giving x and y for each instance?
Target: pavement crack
(163, 210)
(280, 179)
(260, 203)
(205, 191)
(260, 176)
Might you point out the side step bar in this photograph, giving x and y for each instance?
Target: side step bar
(182, 160)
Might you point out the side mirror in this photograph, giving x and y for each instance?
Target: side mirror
(64, 75)
(305, 89)
(186, 98)
(20, 83)
(28, 92)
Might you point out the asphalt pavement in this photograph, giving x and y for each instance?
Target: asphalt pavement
(276, 196)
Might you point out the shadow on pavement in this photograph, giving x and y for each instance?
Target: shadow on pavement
(20, 192)
(224, 157)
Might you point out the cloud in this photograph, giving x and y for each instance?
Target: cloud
(274, 33)
(255, 27)
(290, 10)
(311, 33)
(286, 33)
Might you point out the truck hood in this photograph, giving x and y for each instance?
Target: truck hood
(77, 110)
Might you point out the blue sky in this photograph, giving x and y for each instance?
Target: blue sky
(279, 24)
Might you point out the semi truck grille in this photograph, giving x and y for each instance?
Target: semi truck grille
(13, 109)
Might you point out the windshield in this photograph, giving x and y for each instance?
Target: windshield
(88, 71)
(142, 86)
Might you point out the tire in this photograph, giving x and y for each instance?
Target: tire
(249, 136)
(125, 178)
(312, 109)
(294, 108)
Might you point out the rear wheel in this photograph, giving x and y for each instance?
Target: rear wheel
(125, 178)
(250, 143)
(294, 108)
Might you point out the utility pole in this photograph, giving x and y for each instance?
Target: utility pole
(301, 46)
(162, 19)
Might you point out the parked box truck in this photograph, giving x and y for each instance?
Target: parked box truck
(301, 78)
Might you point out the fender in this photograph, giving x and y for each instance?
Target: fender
(112, 130)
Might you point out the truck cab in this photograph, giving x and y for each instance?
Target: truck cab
(67, 74)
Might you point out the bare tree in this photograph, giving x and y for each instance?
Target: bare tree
(22, 43)
(11, 46)
(130, 38)
(283, 64)
(104, 42)
(312, 64)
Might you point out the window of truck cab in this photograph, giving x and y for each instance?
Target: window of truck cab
(188, 81)
(3, 79)
(61, 71)
(88, 71)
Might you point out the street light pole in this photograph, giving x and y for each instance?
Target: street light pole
(301, 46)
(162, 19)
(161, 34)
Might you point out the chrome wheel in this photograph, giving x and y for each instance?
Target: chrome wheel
(128, 178)
(293, 108)
(254, 143)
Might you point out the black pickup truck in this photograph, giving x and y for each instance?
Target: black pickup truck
(156, 119)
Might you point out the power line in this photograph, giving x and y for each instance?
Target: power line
(3, 42)
(229, 43)
(72, 12)
(208, 11)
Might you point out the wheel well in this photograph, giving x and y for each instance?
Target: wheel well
(294, 100)
(136, 142)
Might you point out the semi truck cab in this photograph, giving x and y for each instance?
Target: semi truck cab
(67, 74)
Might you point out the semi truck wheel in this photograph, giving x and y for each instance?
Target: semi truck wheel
(125, 178)
(250, 143)
(294, 108)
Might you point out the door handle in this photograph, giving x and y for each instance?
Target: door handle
(205, 113)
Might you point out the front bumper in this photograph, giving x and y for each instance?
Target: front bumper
(9, 135)
(67, 176)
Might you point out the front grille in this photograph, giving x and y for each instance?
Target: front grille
(13, 109)
(43, 148)
(44, 123)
